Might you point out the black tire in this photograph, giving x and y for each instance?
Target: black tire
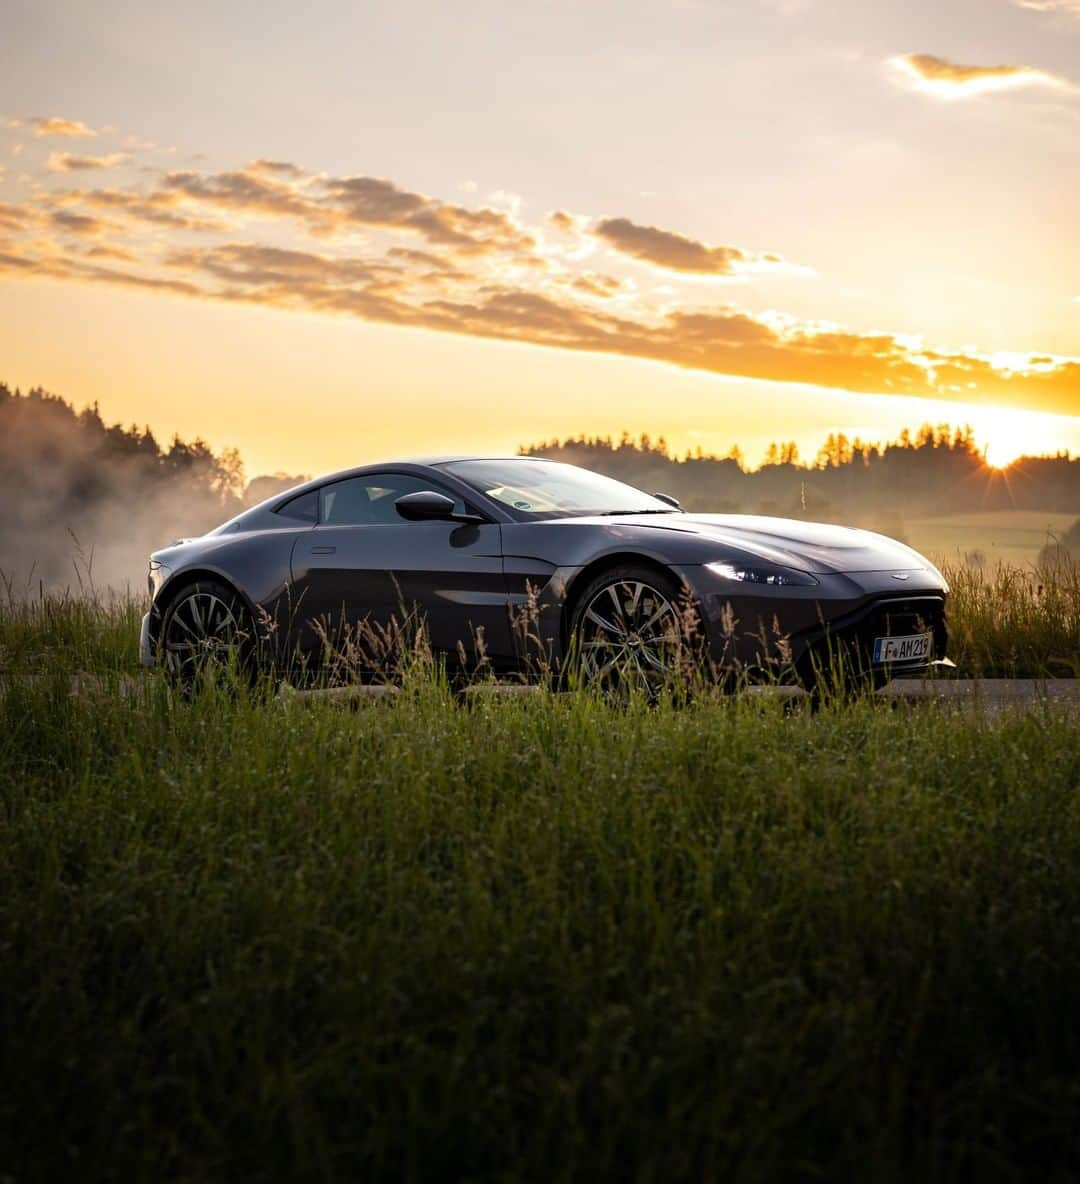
(206, 627)
(628, 631)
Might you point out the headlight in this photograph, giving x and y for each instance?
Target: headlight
(762, 573)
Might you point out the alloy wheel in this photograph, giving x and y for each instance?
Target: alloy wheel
(628, 638)
(202, 630)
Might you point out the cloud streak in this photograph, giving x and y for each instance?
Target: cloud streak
(952, 80)
(276, 235)
(55, 126)
(67, 162)
(676, 252)
(1070, 7)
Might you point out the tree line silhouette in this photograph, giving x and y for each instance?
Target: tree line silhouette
(934, 470)
(84, 499)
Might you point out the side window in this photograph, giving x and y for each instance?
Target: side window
(369, 500)
(305, 507)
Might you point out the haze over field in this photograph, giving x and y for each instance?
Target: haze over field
(350, 231)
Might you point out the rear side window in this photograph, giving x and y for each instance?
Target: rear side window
(305, 508)
(369, 500)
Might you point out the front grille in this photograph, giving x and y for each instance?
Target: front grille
(851, 639)
(896, 618)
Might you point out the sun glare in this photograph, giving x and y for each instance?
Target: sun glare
(1008, 435)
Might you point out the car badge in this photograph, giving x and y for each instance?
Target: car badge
(901, 575)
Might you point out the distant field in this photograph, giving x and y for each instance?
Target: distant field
(1003, 536)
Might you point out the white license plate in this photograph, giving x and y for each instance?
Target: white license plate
(915, 648)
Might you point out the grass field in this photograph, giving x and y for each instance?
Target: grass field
(1002, 536)
(551, 939)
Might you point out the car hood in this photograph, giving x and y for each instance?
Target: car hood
(810, 546)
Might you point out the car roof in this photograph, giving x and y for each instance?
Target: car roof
(417, 461)
(278, 499)
(450, 459)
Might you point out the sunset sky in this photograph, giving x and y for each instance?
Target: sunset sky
(327, 233)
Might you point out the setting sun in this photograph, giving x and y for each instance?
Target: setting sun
(1007, 435)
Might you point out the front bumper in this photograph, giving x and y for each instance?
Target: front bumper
(851, 638)
(794, 629)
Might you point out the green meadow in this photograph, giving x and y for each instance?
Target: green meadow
(545, 938)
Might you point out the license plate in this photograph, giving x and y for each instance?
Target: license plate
(915, 648)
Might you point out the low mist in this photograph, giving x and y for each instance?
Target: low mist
(85, 504)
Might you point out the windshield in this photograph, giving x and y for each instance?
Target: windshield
(547, 488)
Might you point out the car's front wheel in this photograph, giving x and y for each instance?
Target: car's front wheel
(629, 632)
(206, 627)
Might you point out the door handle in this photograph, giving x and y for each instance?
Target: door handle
(323, 550)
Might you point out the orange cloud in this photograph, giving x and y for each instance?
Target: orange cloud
(155, 208)
(478, 272)
(274, 167)
(14, 217)
(675, 252)
(113, 253)
(241, 191)
(563, 221)
(337, 205)
(373, 201)
(16, 263)
(79, 224)
(948, 79)
(601, 286)
(55, 126)
(66, 162)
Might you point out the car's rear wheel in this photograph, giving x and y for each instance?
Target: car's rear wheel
(206, 627)
(628, 632)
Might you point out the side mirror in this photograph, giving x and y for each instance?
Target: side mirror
(666, 497)
(428, 506)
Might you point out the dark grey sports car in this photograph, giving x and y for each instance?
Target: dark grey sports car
(513, 559)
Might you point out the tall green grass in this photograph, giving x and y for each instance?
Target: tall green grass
(82, 629)
(1011, 621)
(544, 940)
(1006, 621)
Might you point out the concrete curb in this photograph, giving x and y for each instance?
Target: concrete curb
(991, 690)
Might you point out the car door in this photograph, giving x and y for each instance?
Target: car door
(364, 562)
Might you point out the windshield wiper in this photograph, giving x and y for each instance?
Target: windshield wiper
(620, 513)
